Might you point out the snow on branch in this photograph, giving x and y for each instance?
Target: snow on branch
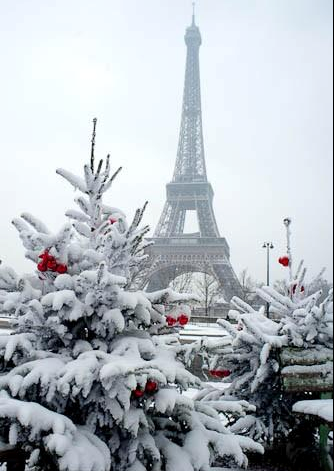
(8, 279)
(13, 344)
(74, 448)
(74, 180)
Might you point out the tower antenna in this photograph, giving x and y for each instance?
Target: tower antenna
(194, 13)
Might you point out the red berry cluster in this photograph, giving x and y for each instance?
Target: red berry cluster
(285, 261)
(182, 320)
(220, 373)
(49, 263)
(150, 388)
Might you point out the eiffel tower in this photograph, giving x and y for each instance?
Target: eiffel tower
(174, 252)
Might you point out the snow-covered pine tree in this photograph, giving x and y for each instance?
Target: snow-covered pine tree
(249, 356)
(88, 381)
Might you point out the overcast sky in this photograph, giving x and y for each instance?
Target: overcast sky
(266, 69)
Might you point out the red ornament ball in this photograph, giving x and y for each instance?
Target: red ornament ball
(151, 386)
(183, 319)
(220, 373)
(171, 321)
(61, 269)
(45, 256)
(42, 267)
(138, 393)
(215, 373)
(226, 373)
(52, 265)
(285, 261)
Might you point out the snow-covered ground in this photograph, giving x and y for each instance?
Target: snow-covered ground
(194, 331)
(4, 331)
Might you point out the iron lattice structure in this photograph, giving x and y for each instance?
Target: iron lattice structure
(174, 252)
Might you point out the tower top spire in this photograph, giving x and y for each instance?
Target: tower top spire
(194, 14)
(193, 34)
(190, 163)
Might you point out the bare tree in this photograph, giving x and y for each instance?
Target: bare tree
(249, 286)
(203, 285)
(282, 287)
(322, 284)
(182, 283)
(208, 290)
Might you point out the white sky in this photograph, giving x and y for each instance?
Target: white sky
(267, 105)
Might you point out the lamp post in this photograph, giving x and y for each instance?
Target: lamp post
(269, 246)
(287, 222)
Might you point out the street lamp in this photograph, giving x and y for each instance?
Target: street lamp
(269, 246)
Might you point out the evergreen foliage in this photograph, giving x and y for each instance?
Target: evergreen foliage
(92, 377)
(252, 351)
